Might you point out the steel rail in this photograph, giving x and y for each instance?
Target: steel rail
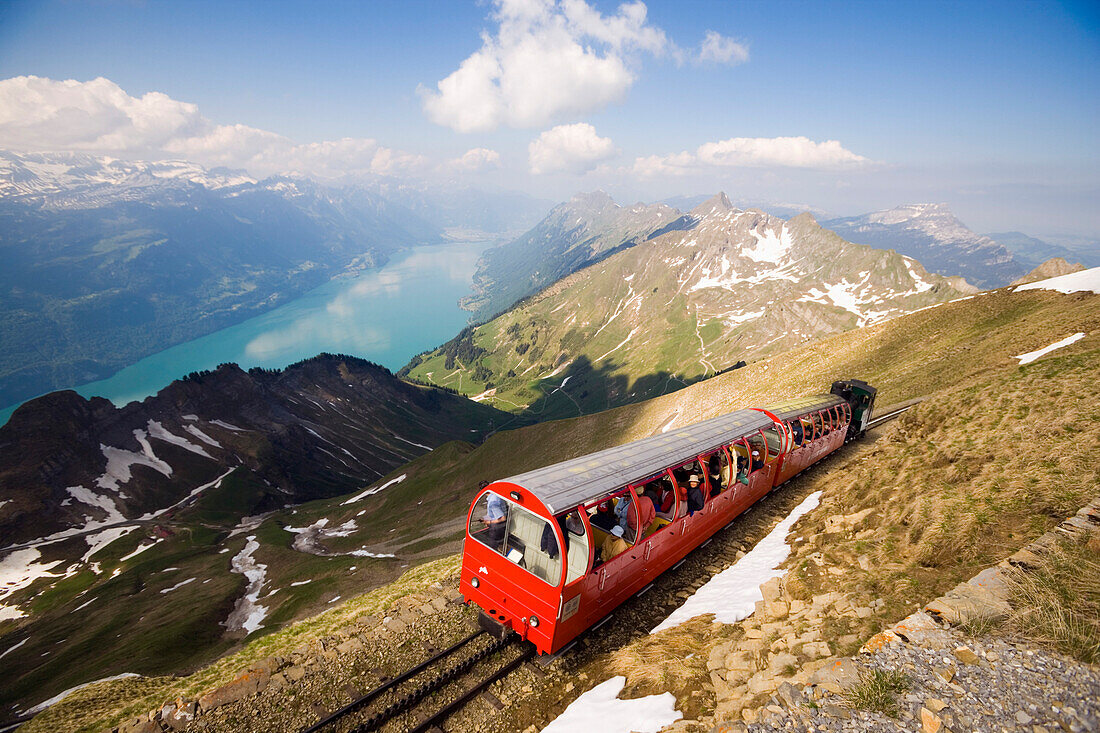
(356, 704)
(876, 421)
(453, 707)
(413, 698)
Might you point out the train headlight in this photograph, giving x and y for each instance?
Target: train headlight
(475, 582)
(534, 621)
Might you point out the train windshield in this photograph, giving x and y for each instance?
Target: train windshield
(525, 538)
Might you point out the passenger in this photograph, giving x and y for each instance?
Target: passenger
(757, 460)
(648, 514)
(653, 493)
(613, 544)
(717, 480)
(495, 521)
(743, 470)
(694, 493)
(603, 518)
(796, 431)
(668, 502)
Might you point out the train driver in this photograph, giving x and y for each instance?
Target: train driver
(496, 518)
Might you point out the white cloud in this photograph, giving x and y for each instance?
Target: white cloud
(98, 116)
(718, 49)
(477, 159)
(751, 152)
(571, 148)
(546, 61)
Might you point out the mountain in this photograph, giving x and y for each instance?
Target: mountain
(782, 210)
(931, 234)
(319, 428)
(1033, 252)
(106, 261)
(719, 287)
(1051, 268)
(584, 229)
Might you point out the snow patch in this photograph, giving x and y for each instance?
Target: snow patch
(296, 583)
(1033, 355)
(106, 503)
(770, 246)
(202, 436)
(247, 614)
(1075, 282)
(21, 568)
(138, 550)
(99, 540)
(178, 585)
(61, 696)
(601, 709)
(11, 649)
(371, 492)
(406, 440)
(227, 426)
(731, 595)
(158, 431)
(119, 461)
(621, 344)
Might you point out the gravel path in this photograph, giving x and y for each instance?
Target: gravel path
(956, 683)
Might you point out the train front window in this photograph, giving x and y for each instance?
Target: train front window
(524, 538)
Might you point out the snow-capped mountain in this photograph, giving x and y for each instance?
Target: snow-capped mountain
(721, 286)
(107, 261)
(933, 235)
(77, 180)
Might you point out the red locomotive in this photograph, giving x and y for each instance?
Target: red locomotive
(550, 552)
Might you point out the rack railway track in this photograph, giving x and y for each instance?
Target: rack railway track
(447, 673)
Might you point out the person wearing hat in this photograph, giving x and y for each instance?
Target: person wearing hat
(694, 493)
(613, 544)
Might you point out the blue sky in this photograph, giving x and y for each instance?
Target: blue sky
(991, 107)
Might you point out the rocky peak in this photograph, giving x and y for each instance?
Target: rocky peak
(717, 204)
(1053, 267)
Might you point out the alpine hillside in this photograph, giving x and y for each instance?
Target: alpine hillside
(933, 235)
(322, 427)
(719, 287)
(586, 228)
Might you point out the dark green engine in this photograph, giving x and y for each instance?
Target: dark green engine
(860, 396)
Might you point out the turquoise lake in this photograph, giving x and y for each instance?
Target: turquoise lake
(386, 315)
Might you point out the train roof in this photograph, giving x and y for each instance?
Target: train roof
(801, 405)
(580, 480)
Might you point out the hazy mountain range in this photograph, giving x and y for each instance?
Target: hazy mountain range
(106, 261)
(712, 288)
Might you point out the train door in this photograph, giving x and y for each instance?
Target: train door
(761, 466)
(575, 602)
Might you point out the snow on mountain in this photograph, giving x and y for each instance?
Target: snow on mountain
(723, 285)
(933, 235)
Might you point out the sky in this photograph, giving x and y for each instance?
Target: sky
(845, 107)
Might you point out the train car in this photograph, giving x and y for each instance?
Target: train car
(550, 552)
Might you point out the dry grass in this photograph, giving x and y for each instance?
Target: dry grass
(668, 661)
(1057, 604)
(964, 480)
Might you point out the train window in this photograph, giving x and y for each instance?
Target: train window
(795, 427)
(739, 452)
(758, 451)
(693, 497)
(661, 494)
(819, 426)
(525, 538)
(576, 546)
(807, 428)
(775, 441)
(719, 471)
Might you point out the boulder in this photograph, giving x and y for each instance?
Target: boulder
(841, 672)
(772, 591)
(790, 695)
(245, 685)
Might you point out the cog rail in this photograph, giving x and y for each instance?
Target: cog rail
(408, 700)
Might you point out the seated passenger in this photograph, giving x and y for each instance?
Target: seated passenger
(668, 502)
(743, 470)
(796, 432)
(757, 461)
(694, 493)
(613, 544)
(603, 518)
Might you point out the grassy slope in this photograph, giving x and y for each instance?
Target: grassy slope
(958, 352)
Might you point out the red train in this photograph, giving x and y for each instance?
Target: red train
(550, 552)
